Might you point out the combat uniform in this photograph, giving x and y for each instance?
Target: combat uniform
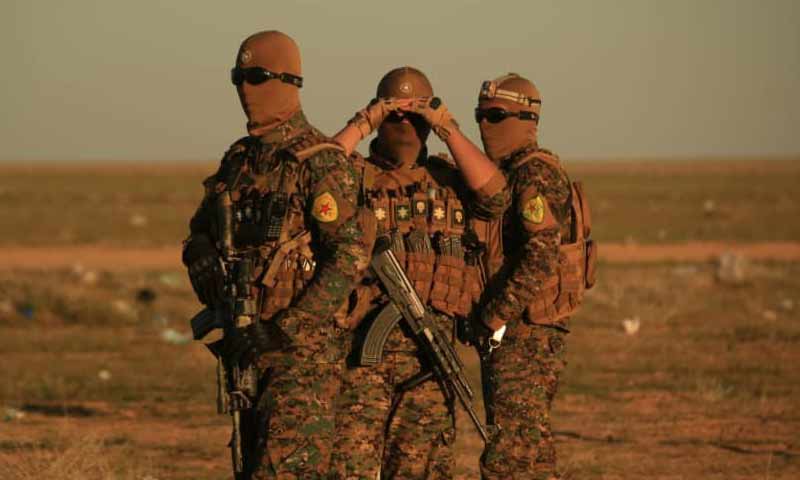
(283, 203)
(539, 284)
(438, 227)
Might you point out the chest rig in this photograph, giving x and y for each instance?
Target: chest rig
(562, 293)
(431, 232)
(261, 217)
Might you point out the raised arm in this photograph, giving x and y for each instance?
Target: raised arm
(480, 174)
(366, 121)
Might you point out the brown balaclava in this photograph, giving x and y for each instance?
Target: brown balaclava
(512, 93)
(401, 142)
(273, 102)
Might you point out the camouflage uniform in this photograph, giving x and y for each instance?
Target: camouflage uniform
(520, 377)
(384, 433)
(289, 432)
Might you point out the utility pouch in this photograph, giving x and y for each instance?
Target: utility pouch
(420, 258)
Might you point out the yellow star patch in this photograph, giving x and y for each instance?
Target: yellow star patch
(324, 208)
(534, 210)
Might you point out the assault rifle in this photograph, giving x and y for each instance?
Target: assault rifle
(443, 362)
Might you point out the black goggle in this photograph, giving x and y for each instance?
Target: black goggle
(497, 115)
(259, 75)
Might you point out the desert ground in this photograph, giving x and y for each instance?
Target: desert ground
(683, 363)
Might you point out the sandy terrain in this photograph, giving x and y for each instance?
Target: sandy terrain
(117, 259)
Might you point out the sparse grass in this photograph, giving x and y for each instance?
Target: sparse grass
(648, 202)
(74, 459)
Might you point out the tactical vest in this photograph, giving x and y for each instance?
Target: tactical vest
(258, 189)
(562, 293)
(432, 234)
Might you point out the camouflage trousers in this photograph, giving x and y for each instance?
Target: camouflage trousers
(289, 433)
(383, 433)
(520, 379)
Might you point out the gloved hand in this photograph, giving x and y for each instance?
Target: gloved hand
(434, 111)
(205, 269)
(368, 119)
(472, 331)
(243, 346)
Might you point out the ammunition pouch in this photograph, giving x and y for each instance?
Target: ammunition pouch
(204, 268)
(456, 286)
(289, 268)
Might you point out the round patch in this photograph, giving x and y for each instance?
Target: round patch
(405, 88)
(534, 210)
(324, 208)
(246, 56)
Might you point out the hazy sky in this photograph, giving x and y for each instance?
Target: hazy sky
(149, 79)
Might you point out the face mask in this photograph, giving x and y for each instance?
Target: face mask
(503, 138)
(508, 115)
(277, 97)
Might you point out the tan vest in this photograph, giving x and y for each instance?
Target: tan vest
(563, 292)
(432, 233)
(285, 261)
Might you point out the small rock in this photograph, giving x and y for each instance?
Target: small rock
(6, 307)
(769, 315)
(104, 375)
(732, 268)
(709, 207)
(787, 304)
(89, 277)
(138, 220)
(631, 325)
(123, 308)
(77, 270)
(170, 279)
(174, 337)
(12, 414)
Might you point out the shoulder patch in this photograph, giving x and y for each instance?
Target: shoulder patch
(534, 209)
(324, 208)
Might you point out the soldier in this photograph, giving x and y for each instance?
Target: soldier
(276, 247)
(432, 211)
(542, 262)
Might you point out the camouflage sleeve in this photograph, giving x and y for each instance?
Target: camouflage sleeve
(344, 240)
(541, 195)
(492, 199)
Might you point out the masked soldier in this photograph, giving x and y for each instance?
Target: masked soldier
(275, 249)
(540, 270)
(432, 210)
